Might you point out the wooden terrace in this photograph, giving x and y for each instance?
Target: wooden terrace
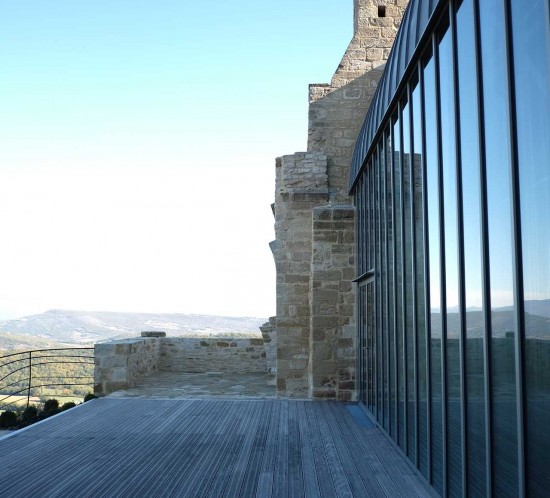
(145, 447)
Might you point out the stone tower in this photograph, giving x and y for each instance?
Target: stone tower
(314, 246)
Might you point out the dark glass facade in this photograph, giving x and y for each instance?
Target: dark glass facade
(452, 189)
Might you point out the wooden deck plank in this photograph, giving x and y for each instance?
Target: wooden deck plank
(336, 468)
(372, 469)
(267, 468)
(309, 471)
(211, 448)
(280, 482)
(321, 464)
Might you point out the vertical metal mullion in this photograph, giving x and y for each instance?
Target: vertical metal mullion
(442, 264)
(383, 278)
(413, 274)
(426, 247)
(517, 255)
(485, 257)
(403, 325)
(460, 249)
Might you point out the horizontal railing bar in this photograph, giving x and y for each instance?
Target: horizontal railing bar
(42, 350)
(15, 371)
(43, 359)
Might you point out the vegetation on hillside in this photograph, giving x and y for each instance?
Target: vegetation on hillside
(52, 373)
(19, 417)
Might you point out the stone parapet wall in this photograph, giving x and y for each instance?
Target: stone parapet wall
(119, 364)
(196, 355)
(269, 335)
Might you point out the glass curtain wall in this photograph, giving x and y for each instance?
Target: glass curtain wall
(454, 229)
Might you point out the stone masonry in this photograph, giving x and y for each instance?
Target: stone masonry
(119, 365)
(314, 246)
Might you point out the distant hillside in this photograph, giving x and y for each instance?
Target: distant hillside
(88, 327)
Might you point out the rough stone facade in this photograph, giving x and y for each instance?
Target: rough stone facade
(196, 355)
(269, 335)
(314, 248)
(119, 364)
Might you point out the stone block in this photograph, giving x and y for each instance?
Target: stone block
(153, 333)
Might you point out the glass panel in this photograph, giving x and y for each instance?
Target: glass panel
(432, 194)
(391, 286)
(532, 67)
(376, 346)
(386, 326)
(420, 283)
(365, 226)
(372, 229)
(359, 221)
(362, 344)
(399, 284)
(473, 283)
(452, 316)
(501, 263)
(409, 339)
(370, 331)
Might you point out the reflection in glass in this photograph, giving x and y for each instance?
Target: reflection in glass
(501, 264)
(399, 284)
(432, 194)
(420, 284)
(473, 285)
(384, 297)
(408, 340)
(532, 79)
(378, 292)
(370, 331)
(452, 312)
(390, 362)
(363, 344)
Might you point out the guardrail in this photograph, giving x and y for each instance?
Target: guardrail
(27, 371)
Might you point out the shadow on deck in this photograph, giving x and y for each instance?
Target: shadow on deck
(128, 447)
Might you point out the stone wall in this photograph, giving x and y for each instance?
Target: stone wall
(119, 364)
(269, 335)
(196, 355)
(314, 247)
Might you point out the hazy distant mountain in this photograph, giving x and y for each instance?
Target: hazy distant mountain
(88, 327)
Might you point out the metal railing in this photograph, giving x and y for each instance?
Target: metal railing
(27, 371)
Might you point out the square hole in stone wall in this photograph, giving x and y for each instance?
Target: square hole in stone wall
(381, 11)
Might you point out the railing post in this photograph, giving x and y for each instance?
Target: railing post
(30, 379)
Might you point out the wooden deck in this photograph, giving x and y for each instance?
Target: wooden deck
(205, 447)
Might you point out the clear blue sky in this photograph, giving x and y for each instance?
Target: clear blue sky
(137, 147)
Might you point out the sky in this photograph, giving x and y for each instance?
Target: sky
(137, 148)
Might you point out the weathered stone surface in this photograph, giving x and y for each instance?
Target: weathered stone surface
(314, 250)
(120, 364)
(153, 333)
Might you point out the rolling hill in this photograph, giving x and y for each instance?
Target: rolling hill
(68, 327)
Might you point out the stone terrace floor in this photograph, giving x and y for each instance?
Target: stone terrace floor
(202, 385)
